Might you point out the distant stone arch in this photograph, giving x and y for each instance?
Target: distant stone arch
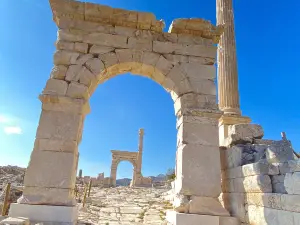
(97, 42)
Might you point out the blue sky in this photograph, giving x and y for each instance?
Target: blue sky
(269, 77)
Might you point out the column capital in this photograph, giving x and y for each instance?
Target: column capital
(233, 119)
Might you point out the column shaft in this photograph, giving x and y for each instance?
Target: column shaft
(228, 93)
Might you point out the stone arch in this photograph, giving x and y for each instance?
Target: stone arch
(91, 48)
(119, 156)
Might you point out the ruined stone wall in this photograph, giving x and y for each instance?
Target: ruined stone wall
(261, 178)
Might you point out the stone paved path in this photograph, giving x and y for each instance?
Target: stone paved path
(124, 205)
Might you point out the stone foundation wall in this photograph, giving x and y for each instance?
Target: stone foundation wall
(261, 182)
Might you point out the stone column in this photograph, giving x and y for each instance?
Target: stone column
(228, 93)
(140, 154)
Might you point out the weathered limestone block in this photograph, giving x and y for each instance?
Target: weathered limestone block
(176, 59)
(184, 49)
(239, 155)
(266, 216)
(47, 196)
(66, 35)
(197, 133)
(59, 125)
(55, 145)
(109, 40)
(260, 183)
(194, 101)
(269, 200)
(294, 165)
(139, 44)
(206, 206)
(262, 168)
(65, 45)
(125, 31)
(191, 39)
(279, 151)
(278, 184)
(81, 47)
(164, 65)
(77, 90)
(244, 133)
(109, 59)
(150, 58)
(290, 202)
(60, 166)
(86, 77)
(95, 65)
(59, 72)
(82, 59)
(292, 183)
(64, 104)
(62, 57)
(175, 218)
(198, 72)
(124, 55)
(56, 87)
(97, 49)
(73, 73)
(229, 221)
(201, 60)
(235, 204)
(192, 175)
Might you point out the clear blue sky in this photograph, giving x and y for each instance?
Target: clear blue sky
(269, 77)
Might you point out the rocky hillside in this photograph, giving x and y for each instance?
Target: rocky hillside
(12, 174)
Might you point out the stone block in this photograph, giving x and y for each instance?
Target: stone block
(269, 200)
(150, 58)
(175, 218)
(59, 72)
(63, 57)
(296, 218)
(193, 100)
(66, 35)
(56, 87)
(258, 168)
(279, 151)
(59, 125)
(198, 72)
(109, 40)
(73, 73)
(77, 90)
(55, 145)
(163, 65)
(65, 45)
(58, 167)
(206, 206)
(86, 77)
(140, 44)
(278, 184)
(244, 133)
(194, 173)
(15, 221)
(83, 58)
(97, 49)
(294, 165)
(95, 65)
(229, 221)
(235, 204)
(44, 213)
(177, 59)
(109, 59)
(47, 196)
(259, 183)
(240, 155)
(81, 47)
(197, 133)
(290, 202)
(292, 183)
